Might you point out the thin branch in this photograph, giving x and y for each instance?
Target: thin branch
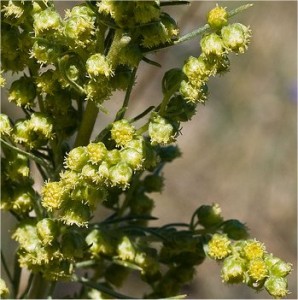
(121, 113)
(102, 288)
(27, 154)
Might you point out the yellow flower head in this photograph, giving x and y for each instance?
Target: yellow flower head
(219, 246)
(254, 249)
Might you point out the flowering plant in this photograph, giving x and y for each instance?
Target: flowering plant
(70, 66)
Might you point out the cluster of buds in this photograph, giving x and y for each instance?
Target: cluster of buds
(47, 247)
(17, 194)
(248, 262)
(215, 46)
(90, 170)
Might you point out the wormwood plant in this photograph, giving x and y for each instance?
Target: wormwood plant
(68, 68)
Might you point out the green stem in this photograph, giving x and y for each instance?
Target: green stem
(121, 113)
(239, 9)
(178, 2)
(141, 115)
(200, 30)
(86, 263)
(87, 124)
(39, 287)
(192, 34)
(27, 154)
(143, 129)
(102, 288)
(164, 103)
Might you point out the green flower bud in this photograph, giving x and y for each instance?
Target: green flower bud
(160, 130)
(42, 125)
(212, 44)
(80, 30)
(147, 262)
(22, 133)
(46, 21)
(58, 103)
(257, 269)
(129, 55)
(192, 94)
(69, 179)
(233, 269)
(141, 205)
(47, 82)
(73, 68)
(277, 286)
(97, 152)
(236, 37)
(161, 33)
(113, 157)
(120, 175)
(121, 12)
(22, 92)
(209, 215)
(88, 194)
(171, 80)
(97, 64)
(126, 249)
(277, 267)
(153, 183)
(132, 157)
(136, 143)
(146, 11)
(217, 17)
(91, 174)
(45, 52)
(222, 64)
(198, 70)
(122, 132)
(5, 127)
(98, 90)
(13, 9)
(26, 235)
(74, 212)
(77, 158)
(52, 195)
(47, 231)
(18, 167)
(169, 153)
(22, 200)
(253, 249)
(103, 171)
(235, 229)
(58, 270)
(4, 291)
(179, 110)
(9, 42)
(99, 243)
(219, 246)
(34, 132)
(72, 245)
(82, 10)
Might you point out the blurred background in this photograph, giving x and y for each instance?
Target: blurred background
(240, 150)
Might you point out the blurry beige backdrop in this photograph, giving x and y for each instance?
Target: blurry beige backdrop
(240, 149)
